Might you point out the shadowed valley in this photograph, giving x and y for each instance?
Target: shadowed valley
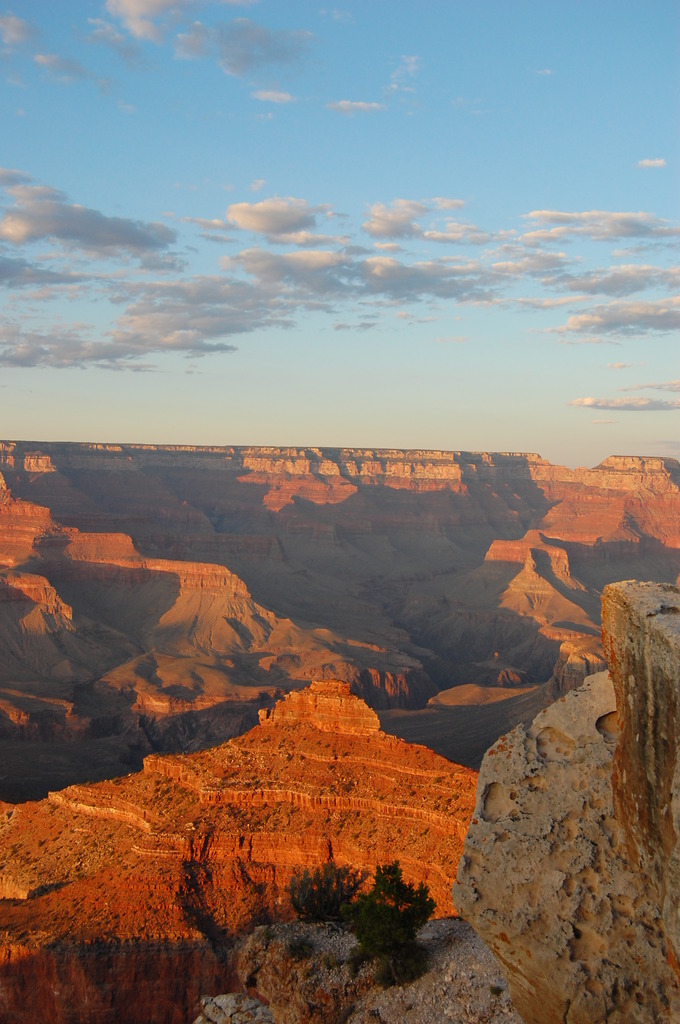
(154, 598)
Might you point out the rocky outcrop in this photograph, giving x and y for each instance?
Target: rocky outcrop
(195, 849)
(572, 882)
(234, 1008)
(302, 971)
(641, 635)
(328, 706)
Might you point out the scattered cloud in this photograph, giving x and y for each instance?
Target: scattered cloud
(618, 281)
(9, 177)
(619, 366)
(15, 31)
(456, 233)
(243, 47)
(63, 69)
(105, 34)
(454, 339)
(354, 107)
(394, 221)
(545, 71)
(272, 96)
(40, 212)
(657, 162)
(401, 77)
(441, 203)
(539, 303)
(626, 318)
(337, 15)
(285, 219)
(257, 185)
(627, 404)
(600, 225)
(17, 273)
(140, 16)
(668, 385)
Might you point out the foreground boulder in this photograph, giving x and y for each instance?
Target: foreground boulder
(641, 634)
(564, 877)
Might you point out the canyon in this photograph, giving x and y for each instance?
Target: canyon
(155, 598)
(105, 887)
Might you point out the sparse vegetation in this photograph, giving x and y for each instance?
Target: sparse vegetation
(300, 949)
(386, 920)
(319, 895)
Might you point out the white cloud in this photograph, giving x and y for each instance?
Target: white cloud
(401, 77)
(626, 318)
(440, 203)
(600, 225)
(10, 176)
(394, 221)
(139, 16)
(17, 272)
(536, 303)
(67, 69)
(658, 162)
(243, 47)
(285, 219)
(15, 31)
(257, 185)
(136, 15)
(106, 35)
(532, 263)
(354, 107)
(41, 212)
(668, 385)
(456, 233)
(624, 279)
(619, 366)
(272, 96)
(627, 404)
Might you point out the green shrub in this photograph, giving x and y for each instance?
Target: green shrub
(319, 895)
(386, 920)
(300, 949)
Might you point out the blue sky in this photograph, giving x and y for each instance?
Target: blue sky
(384, 224)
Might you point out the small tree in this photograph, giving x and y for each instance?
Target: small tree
(319, 895)
(386, 920)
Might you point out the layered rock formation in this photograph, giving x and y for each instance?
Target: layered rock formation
(198, 578)
(173, 862)
(570, 865)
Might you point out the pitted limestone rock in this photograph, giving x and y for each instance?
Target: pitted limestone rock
(545, 878)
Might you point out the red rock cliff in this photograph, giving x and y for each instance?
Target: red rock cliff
(174, 861)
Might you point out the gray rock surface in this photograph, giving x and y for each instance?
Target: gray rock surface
(234, 1008)
(546, 881)
(313, 983)
(641, 636)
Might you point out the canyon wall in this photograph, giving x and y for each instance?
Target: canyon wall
(172, 863)
(570, 865)
(169, 593)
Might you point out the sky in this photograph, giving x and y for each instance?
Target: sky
(387, 224)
